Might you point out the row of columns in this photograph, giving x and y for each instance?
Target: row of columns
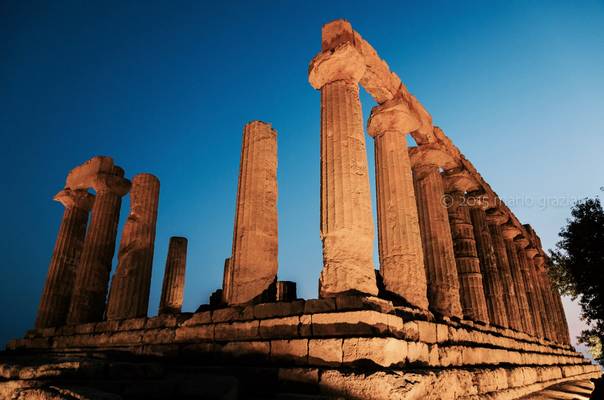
(75, 290)
(437, 249)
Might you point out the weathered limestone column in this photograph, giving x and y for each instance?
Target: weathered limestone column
(509, 233)
(172, 292)
(546, 294)
(531, 294)
(471, 290)
(253, 265)
(565, 333)
(92, 277)
(129, 293)
(58, 288)
(491, 277)
(400, 244)
(542, 315)
(346, 218)
(439, 258)
(495, 220)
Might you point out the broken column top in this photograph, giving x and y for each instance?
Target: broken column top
(75, 198)
(81, 176)
(392, 115)
(460, 181)
(432, 154)
(262, 123)
(344, 63)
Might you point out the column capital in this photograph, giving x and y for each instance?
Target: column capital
(460, 180)
(531, 252)
(392, 116)
(104, 182)
(540, 261)
(75, 198)
(497, 217)
(431, 155)
(510, 231)
(521, 242)
(344, 62)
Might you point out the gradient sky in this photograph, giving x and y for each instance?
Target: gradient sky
(166, 87)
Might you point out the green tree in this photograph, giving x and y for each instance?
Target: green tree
(578, 268)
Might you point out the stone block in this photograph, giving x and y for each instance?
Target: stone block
(450, 356)
(200, 318)
(384, 352)
(161, 321)
(124, 338)
(314, 306)
(442, 333)
(350, 323)
(418, 353)
(132, 324)
(237, 330)
(290, 351)
(325, 352)
(84, 328)
(107, 326)
(194, 333)
(234, 313)
(396, 326)
(160, 335)
(286, 327)
(303, 376)
(427, 332)
(411, 331)
(491, 380)
(282, 309)
(252, 351)
(305, 327)
(350, 303)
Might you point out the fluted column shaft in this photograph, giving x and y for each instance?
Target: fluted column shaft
(536, 272)
(346, 217)
(491, 276)
(507, 280)
(471, 289)
(531, 294)
(554, 311)
(130, 286)
(548, 319)
(441, 271)
(54, 304)
(173, 287)
(92, 278)
(400, 245)
(525, 314)
(254, 263)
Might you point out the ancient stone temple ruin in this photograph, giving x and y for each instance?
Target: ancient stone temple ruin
(460, 306)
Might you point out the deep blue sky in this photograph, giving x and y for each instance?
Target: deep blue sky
(166, 87)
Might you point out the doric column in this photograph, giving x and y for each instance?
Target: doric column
(346, 218)
(58, 288)
(491, 277)
(495, 220)
(509, 233)
(129, 293)
(399, 240)
(471, 290)
(531, 293)
(564, 332)
(542, 314)
(172, 291)
(549, 319)
(253, 266)
(92, 277)
(439, 258)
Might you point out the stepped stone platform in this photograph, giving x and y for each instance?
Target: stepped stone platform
(352, 346)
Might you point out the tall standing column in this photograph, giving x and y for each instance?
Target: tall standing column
(253, 265)
(471, 289)
(346, 218)
(172, 292)
(531, 294)
(129, 293)
(535, 269)
(509, 233)
(92, 277)
(553, 313)
(491, 276)
(400, 244)
(495, 220)
(437, 243)
(58, 288)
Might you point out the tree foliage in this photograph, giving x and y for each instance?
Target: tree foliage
(578, 268)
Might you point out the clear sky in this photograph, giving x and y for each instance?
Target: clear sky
(166, 87)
